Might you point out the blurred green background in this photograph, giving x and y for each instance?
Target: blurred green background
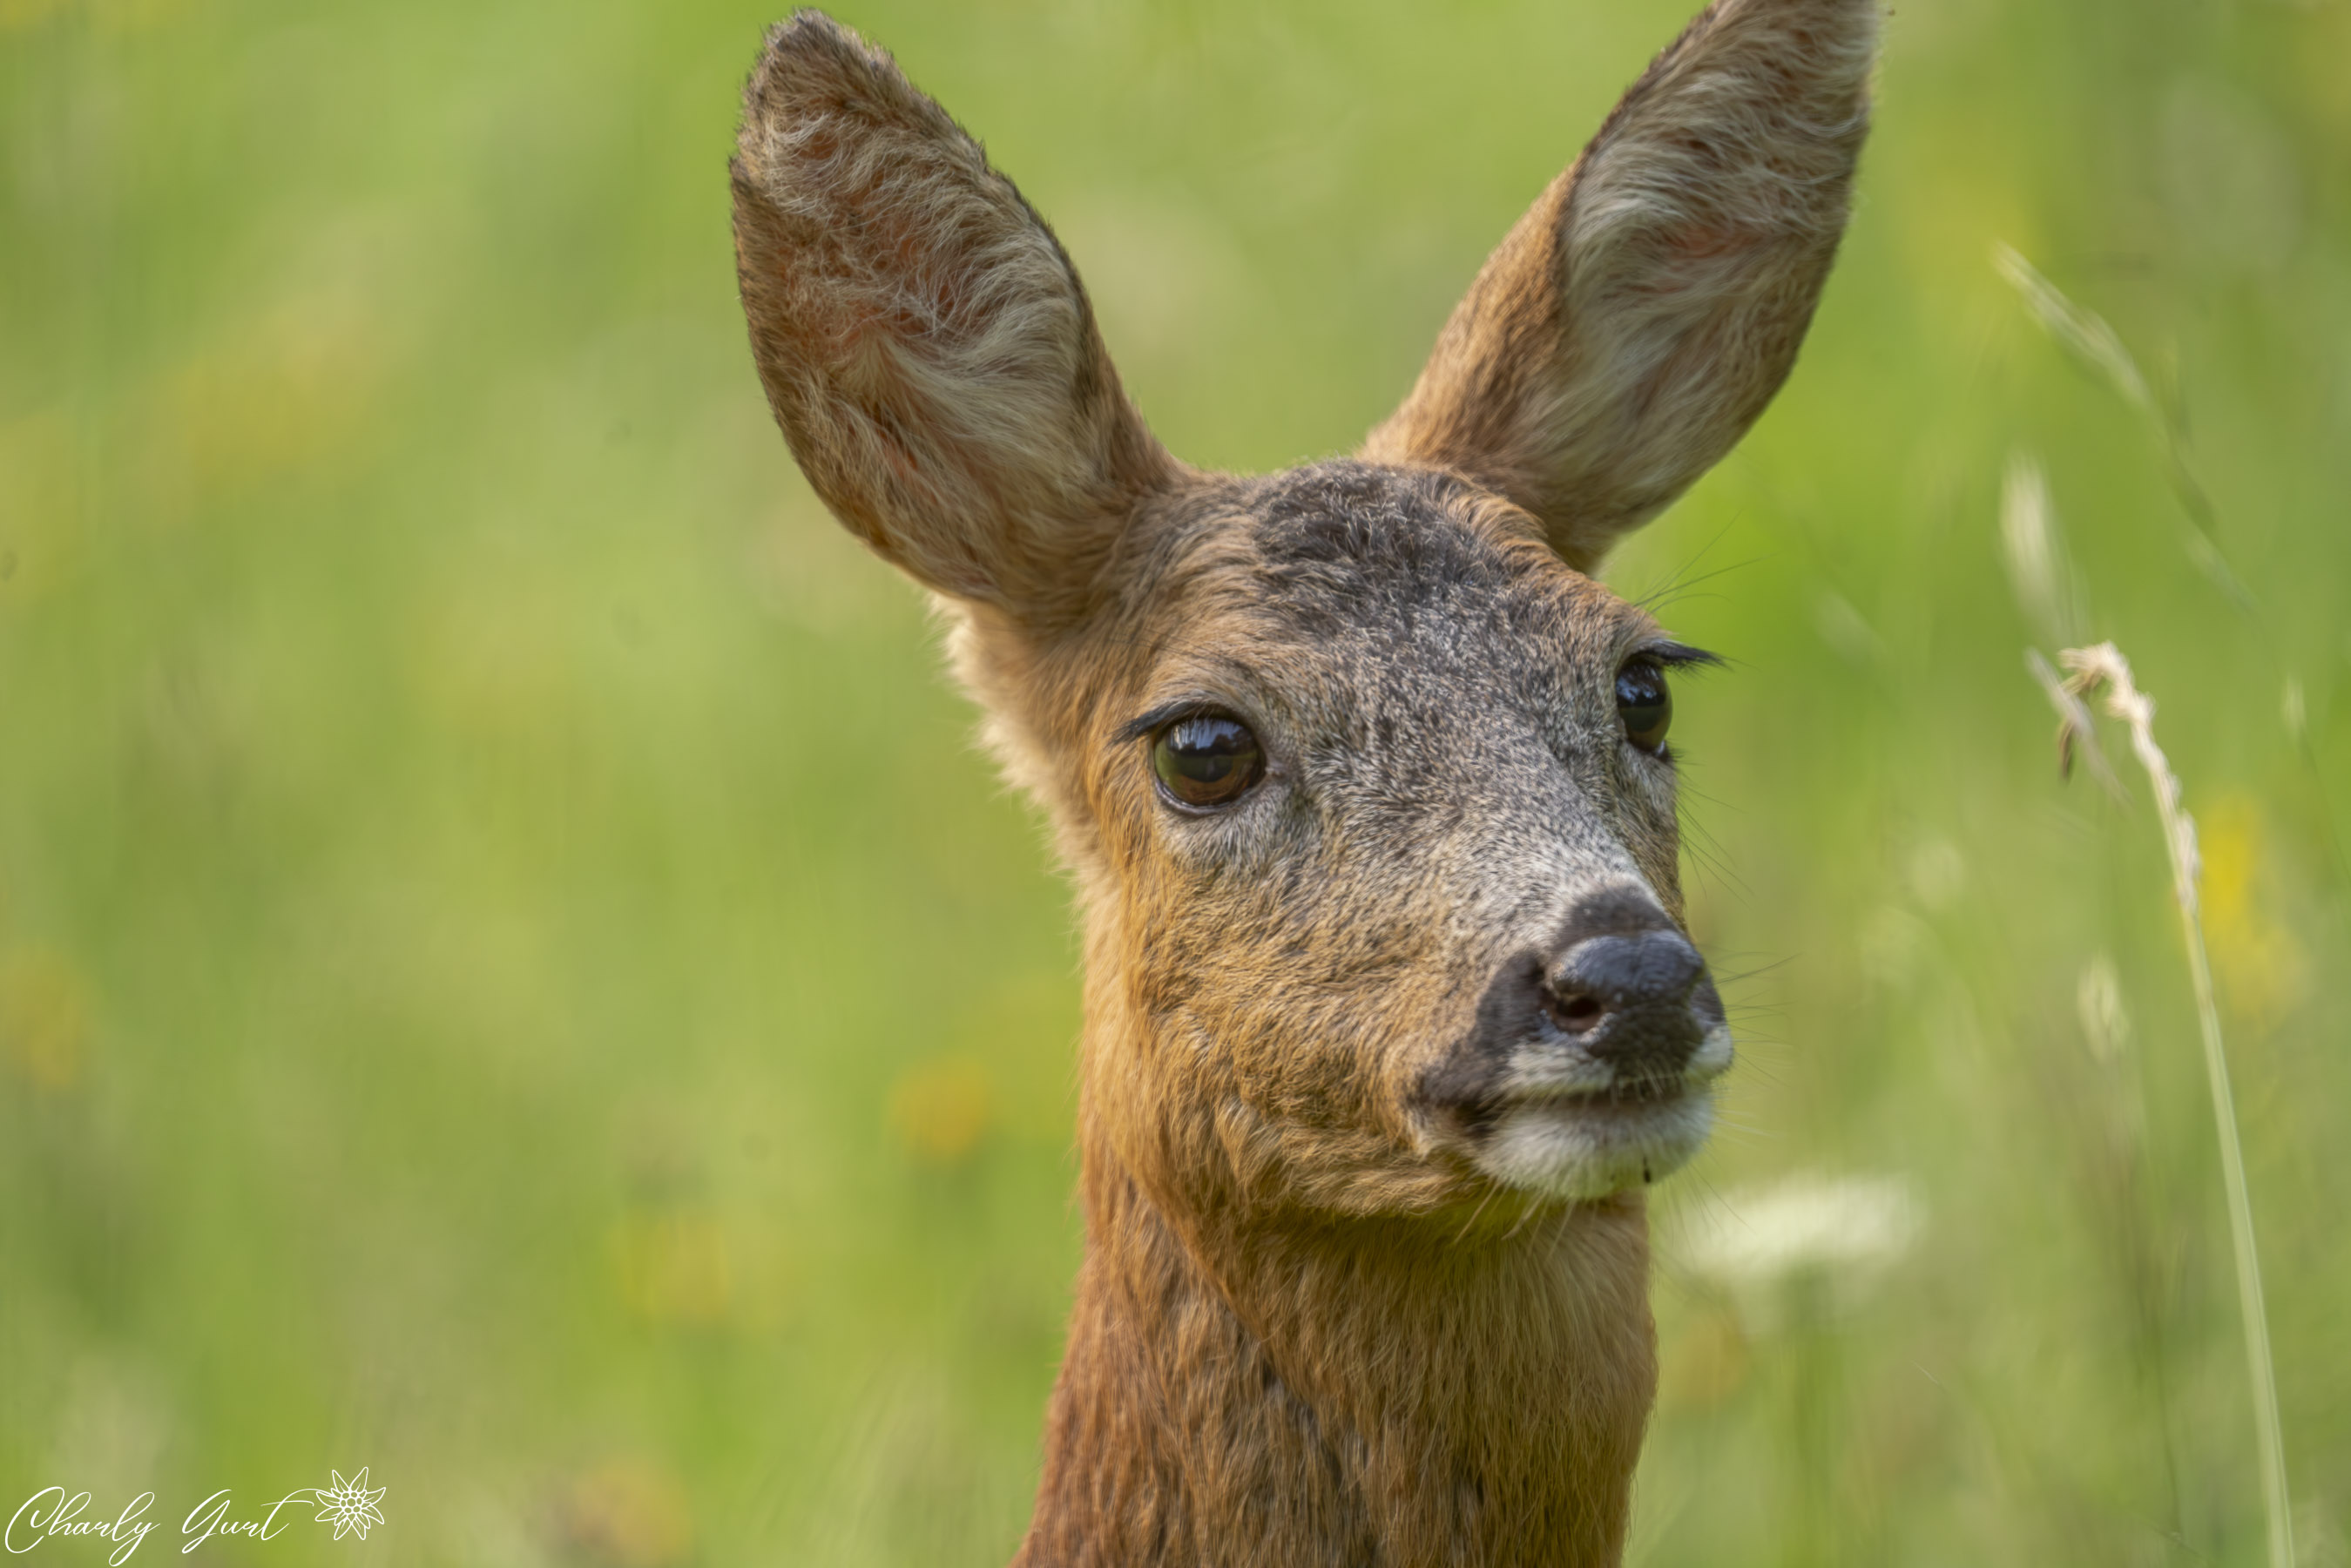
(514, 974)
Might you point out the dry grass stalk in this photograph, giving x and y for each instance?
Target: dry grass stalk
(2102, 670)
(2087, 336)
(2032, 546)
(2094, 343)
(2084, 332)
(2075, 731)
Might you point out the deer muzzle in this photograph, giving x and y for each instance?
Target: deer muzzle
(1588, 1069)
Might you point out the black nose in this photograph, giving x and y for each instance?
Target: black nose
(1628, 988)
(1617, 984)
(1609, 974)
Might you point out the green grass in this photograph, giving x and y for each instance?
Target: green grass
(514, 974)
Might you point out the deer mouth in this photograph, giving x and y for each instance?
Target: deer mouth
(1635, 1094)
(1590, 1144)
(1567, 1125)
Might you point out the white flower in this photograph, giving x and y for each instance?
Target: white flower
(1848, 1230)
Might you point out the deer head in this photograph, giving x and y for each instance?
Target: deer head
(1364, 778)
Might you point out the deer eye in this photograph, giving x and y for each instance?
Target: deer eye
(1645, 704)
(1207, 760)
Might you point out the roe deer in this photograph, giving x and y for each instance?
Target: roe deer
(1390, 1015)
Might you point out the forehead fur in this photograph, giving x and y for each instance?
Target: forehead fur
(1349, 562)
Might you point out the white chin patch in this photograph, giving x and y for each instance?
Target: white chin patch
(1581, 1147)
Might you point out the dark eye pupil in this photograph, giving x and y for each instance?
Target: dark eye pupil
(1644, 705)
(1207, 760)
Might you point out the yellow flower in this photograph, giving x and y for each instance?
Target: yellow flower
(43, 1017)
(2261, 965)
(941, 1108)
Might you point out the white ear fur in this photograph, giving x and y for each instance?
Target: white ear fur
(1645, 310)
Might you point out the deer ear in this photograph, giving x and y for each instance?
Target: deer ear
(925, 345)
(1641, 315)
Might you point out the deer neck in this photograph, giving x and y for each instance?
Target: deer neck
(1349, 1390)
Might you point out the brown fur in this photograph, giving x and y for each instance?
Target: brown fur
(1641, 315)
(1325, 1315)
(929, 352)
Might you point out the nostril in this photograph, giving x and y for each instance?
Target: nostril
(1614, 972)
(1577, 1013)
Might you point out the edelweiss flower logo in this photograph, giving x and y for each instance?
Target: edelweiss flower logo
(349, 1504)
